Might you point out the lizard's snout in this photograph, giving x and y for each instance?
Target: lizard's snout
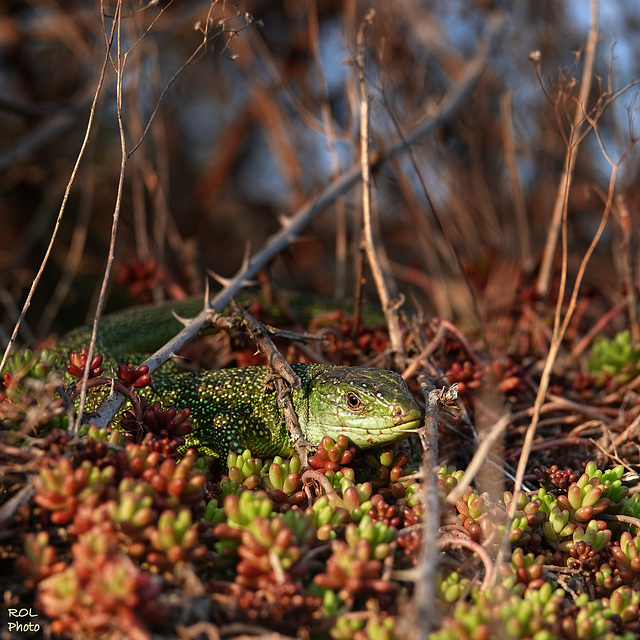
(407, 417)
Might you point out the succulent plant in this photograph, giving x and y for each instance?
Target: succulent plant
(332, 454)
(62, 488)
(614, 361)
(28, 394)
(39, 559)
(327, 518)
(351, 570)
(175, 540)
(377, 534)
(100, 592)
(356, 498)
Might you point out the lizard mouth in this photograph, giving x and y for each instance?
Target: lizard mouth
(374, 434)
(407, 420)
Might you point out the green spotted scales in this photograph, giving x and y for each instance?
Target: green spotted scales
(233, 409)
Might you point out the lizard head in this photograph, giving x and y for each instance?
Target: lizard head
(370, 406)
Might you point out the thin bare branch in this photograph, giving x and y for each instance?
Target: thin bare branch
(121, 63)
(63, 206)
(369, 236)
(546, 268)
(424, 603)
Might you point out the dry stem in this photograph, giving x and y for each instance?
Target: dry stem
(575, 137)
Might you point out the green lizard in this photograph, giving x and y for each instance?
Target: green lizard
(232, 410)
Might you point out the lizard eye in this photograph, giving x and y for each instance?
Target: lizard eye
(353, 400)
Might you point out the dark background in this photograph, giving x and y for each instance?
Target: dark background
(241, 138)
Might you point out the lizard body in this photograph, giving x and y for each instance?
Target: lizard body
(233, 408)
